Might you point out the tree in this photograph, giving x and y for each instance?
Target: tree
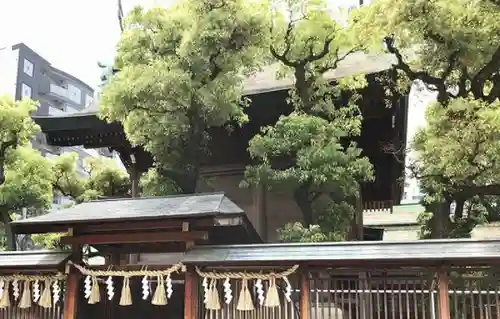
(309, 151)
(23, 172)
(104, 178)
(453, 49)
(459, 159)
(27, 185)
(17, 127)
(181, 73)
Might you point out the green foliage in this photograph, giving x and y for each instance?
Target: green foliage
(457, 155)
(308, 152)
(456, 227)
(47, 241)
(442, 43)
(153, 184)
(105, 177)
(24, 174)
(67, 181)
(296, 232)
(27, 180)
(181, 73)
(453, 48)
(16, 127)
(459, 150)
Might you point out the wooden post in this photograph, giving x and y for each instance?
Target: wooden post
(305, 292)
(72, 283)
(443, 299)
(190, 294)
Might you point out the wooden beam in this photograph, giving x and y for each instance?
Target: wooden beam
(71, 291)
(143, 225)
(135, 238)
(185, 228)
(190, 294)
(444, 302)
(172, 247)
(305, 288)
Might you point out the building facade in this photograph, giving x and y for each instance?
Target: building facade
(26, 74)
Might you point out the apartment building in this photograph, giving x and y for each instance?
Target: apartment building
(24, 73)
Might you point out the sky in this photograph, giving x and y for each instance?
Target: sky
(71, 34)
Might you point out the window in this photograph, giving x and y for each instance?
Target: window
(88, 100)
(28, 67)
(74, 94)
(25, 90)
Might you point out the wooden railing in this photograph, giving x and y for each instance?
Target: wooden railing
(34, 312)
(409, 293)
(378, 206)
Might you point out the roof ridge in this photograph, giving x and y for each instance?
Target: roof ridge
(154, 197)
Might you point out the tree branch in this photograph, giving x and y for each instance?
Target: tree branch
(338, 59)
(120, 15)
(478, 81)
(495, 90)
(437, 83)
(288, 44)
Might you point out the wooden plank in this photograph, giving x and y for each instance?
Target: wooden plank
(72, 282)
(444, 300)
(305, 288)
(190, 294)
(135, 238)
(173, 247)
(143, 225)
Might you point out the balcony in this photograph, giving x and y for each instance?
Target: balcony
(55, 111)
(62, 94)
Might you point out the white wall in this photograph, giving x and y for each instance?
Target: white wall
(419, 99)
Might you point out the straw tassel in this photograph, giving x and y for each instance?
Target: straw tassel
(126, 295)
(245, 302)
(160, 296)
(213, 302)
(5, 300)
(25, 301)
(46, 297)
(95, 294)
(272, 298)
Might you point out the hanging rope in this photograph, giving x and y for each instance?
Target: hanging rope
(245, 302)
(58, 276)
(160, 297)
(27, 289)
(246, 275)
(127, 273)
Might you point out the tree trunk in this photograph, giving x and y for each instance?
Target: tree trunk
(301, 196)
(9, 234)
(440, 220)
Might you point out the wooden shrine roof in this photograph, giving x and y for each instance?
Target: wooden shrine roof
(136, 209)
(365, 252)
(265, 80)
(32, 259)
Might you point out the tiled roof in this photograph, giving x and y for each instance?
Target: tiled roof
(265, 80)
(354, 64)
(201, 204)
(438, 250)
(38, 259)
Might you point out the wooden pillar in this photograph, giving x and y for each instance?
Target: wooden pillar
(443, 299)
(305, 293)
(72, 283)
(190, 294)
